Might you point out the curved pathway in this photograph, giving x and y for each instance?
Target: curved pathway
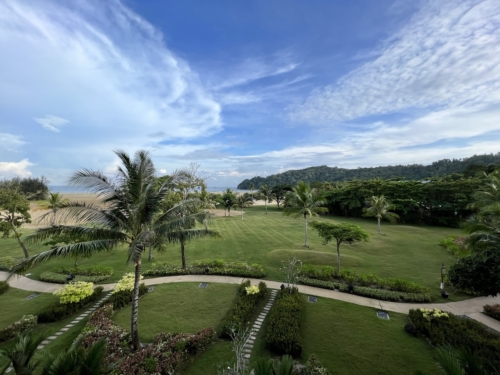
(471, 307)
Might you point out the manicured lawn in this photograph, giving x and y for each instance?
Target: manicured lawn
(350, 339)
(180, 307)
(206, 363)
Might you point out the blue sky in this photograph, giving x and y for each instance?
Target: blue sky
(246, 88)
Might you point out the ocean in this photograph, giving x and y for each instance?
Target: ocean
(79, 190)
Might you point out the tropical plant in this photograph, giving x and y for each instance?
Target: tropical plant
(128, 215)
(459, 362)
(14, 212)
(228, 200)
(304, 201)
(379, 208)
(279, 192)
(343, 232)
(22, 353)
(251, 186)
(55, 202)
(266, 193)
(242, 201)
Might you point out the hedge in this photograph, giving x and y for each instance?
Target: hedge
(6, 263)
(59, 311)
(215, 267)
(61, 278)
(458, 332)
(382, 294)
(283, 327)
(86, 271)
(124, 297)
(492, 311)
(4, 286)
(243, 309)
(346, 276)
(26, 323)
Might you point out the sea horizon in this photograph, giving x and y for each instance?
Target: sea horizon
(78, 190)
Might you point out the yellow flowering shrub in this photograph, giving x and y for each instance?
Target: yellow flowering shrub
(126, 283)
(74, 292)
(254, 289)
(430, 314)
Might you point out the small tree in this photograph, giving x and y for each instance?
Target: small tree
(280, 192)
(55, 202)
(228, 200)
(266, 193)
(240, 338)
(291, 269)
(243, 200)
(379, 208)
(343, 232)
(14, 212)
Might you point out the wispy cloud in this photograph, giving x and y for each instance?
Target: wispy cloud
(52, 123)
(446, 56)
(11, 142)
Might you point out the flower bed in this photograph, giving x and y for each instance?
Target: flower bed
(93, 274)
(492, 310)
(27, 322)
(382, 294)
(444, 328)
(6, 263)
(246, 302)
(166, 355)
(283, 327)
(215, 267)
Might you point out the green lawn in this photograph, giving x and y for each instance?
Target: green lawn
(180, 307)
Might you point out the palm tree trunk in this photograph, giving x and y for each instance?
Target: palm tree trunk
(206, 224)
(76, 261)
(183, 256)
(265, 200)
(150, 255)
(26, 255)
(134, 329)
(305, 230)
(241, 213)
(338, 258)
(378, 219)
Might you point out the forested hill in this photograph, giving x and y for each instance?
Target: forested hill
(410, 172)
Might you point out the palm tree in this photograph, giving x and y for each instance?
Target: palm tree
(243, 200)
(303, 201)
(21, 355)
(267, 193)
(379, 208)
(252, 187)
(228, 200)
(130, 214)
(55, 202)
(206, 202)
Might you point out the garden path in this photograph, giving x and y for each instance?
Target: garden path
(472, 307)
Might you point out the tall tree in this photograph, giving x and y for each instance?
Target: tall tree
(304, 201)
(251, 186)
(14, 212)
(266, 193)
(128, 215)
(207, 202)
(280, 192)
(343, 232)
(228, 200)
(379, 208)
(242, 201)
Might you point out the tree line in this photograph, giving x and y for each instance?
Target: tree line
(470, 166)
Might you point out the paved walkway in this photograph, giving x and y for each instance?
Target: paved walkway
(472, 307)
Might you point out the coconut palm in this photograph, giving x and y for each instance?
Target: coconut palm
(267, 194)
(379, 208)
(206, 202)
(303, 201)
(55, 202)
(129, 215)
(242, 201)
(228, 200)
(251, 187)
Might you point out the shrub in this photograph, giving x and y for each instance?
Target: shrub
(124, 297)
(455, 245)
(26, 323)
(6, 263)
(61, 278)
(243, 308)
(86, 271)
(74, 292)
(381, 294)
(4, 286)
(492, 310)
(449, 329)
(59, 311)
(283, 327)
(126, 283)
(216, 267)
(314, 367)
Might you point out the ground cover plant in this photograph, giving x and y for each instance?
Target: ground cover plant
(455, 245)
(208, 267)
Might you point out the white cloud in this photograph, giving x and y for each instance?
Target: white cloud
(10, 142)
(52, 123)
(13, 169)
(446, 56)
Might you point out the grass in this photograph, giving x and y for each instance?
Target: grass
(180, 307)
(350, 339)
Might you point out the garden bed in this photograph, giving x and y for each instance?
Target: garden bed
(93, 274)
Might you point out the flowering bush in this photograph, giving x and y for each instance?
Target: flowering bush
(74, 292)
(126, 283)
(254, 289)
(26, 323)
(430, 314)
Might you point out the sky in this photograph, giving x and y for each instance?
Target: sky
(245, 88)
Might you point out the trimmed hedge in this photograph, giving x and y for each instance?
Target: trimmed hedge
(86, 271)
(458, 332)
(59, 311)
(492, 311)
(243, 309)
(346, 276)
(283, 327)
(26, 323)
(124, 297)
(216, 267)
(314, 366)
(6, 263)
(4, 286)
(61, 278)
(382, 294)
